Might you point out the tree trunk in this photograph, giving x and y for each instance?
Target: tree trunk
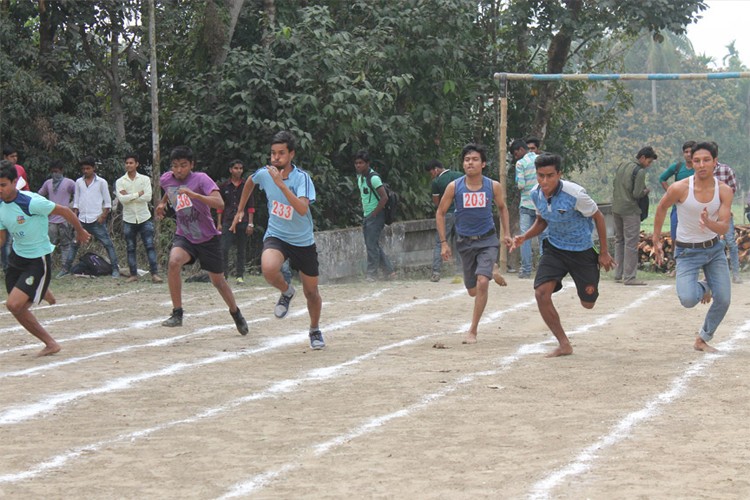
(46, 41)
(118, 113)
(156, 153)
(269, 6)
(654, 109)
(557, 56)
(234, 7)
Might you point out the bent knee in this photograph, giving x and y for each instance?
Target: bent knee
(15, 306)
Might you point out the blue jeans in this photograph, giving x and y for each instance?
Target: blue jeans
(146, 230)
(62, 236)
(526, 218)
(238, 238)
(734, 254)
(99, 232)
(376, 257)
(450, 235)
(5, 250)
(713, 262)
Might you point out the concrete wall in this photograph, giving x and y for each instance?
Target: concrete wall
(409, 244)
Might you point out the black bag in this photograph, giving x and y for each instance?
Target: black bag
(391, 206)
(92, 264)
(643, 200)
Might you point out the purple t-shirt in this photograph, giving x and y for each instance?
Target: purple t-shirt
(63, 195)
(194, 221)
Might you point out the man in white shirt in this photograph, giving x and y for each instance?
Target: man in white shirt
(92, 203)
(133, 190)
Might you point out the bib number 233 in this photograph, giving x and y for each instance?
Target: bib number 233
(282, 211)
(475, 200)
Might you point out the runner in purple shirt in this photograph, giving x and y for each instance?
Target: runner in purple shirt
(193, 195)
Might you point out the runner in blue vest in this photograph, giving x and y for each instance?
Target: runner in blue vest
(476, 240)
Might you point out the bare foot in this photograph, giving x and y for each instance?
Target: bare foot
(471, 338)
(49, 350)
(51, 300)
(563, 350)
(700, 345)
(497, 276)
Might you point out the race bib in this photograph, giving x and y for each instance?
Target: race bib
(475, 200)
(282, 211)
(183, 202)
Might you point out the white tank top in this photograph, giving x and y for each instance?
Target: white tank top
(689, 229)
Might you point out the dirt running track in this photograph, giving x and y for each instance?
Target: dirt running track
(130, 409)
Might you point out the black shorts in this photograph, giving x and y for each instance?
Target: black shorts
(582, 266)
(302, 259)
(31, 276)
(208, 254)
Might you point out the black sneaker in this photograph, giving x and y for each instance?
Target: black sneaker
(282, 306)
(239, 320)
(316, 340)
(174, 320)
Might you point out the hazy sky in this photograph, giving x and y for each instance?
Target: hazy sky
(723, 22)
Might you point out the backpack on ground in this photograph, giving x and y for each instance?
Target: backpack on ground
(91, 264)
(391, 206)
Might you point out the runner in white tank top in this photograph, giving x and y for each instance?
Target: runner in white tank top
(703, 209)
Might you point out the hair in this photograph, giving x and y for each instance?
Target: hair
(647, 152)
(432, 165)
(688, 145)
(9, 150)
(476, 148)
(8, 170)
(87, 160)
(181, 153)
(285, 137)
(362, 155)
(532, 139)
(133, 156)
(57, 165)
(547, 160)
(518, 144)
(716, 145)
(708, 146)
(236, 162)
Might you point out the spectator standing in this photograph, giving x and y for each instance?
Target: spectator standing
(725, 174)
(133, 190)
(374, 198)
(629, 186)
(60, 190)
(525, 181)
(679, 170)
(231, 192)
(441, 177)
(92, 203)
(22, 183)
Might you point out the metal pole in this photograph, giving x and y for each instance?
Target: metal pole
(502, 144)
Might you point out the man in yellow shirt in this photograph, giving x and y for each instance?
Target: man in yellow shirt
(133, 190)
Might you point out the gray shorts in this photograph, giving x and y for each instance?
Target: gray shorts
(478, 257)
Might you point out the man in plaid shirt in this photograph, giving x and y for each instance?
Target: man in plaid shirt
(725, 174)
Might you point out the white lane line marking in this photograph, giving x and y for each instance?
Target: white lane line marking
(622, 429)
(262, 480)
(279, 387)
(82, 302)
(134, 325)
(19, 328)
(25, 412)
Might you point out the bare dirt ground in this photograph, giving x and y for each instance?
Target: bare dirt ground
(130, 409)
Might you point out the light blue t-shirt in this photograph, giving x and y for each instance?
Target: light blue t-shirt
(568, 214)
(284, 222)
(27, 218)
